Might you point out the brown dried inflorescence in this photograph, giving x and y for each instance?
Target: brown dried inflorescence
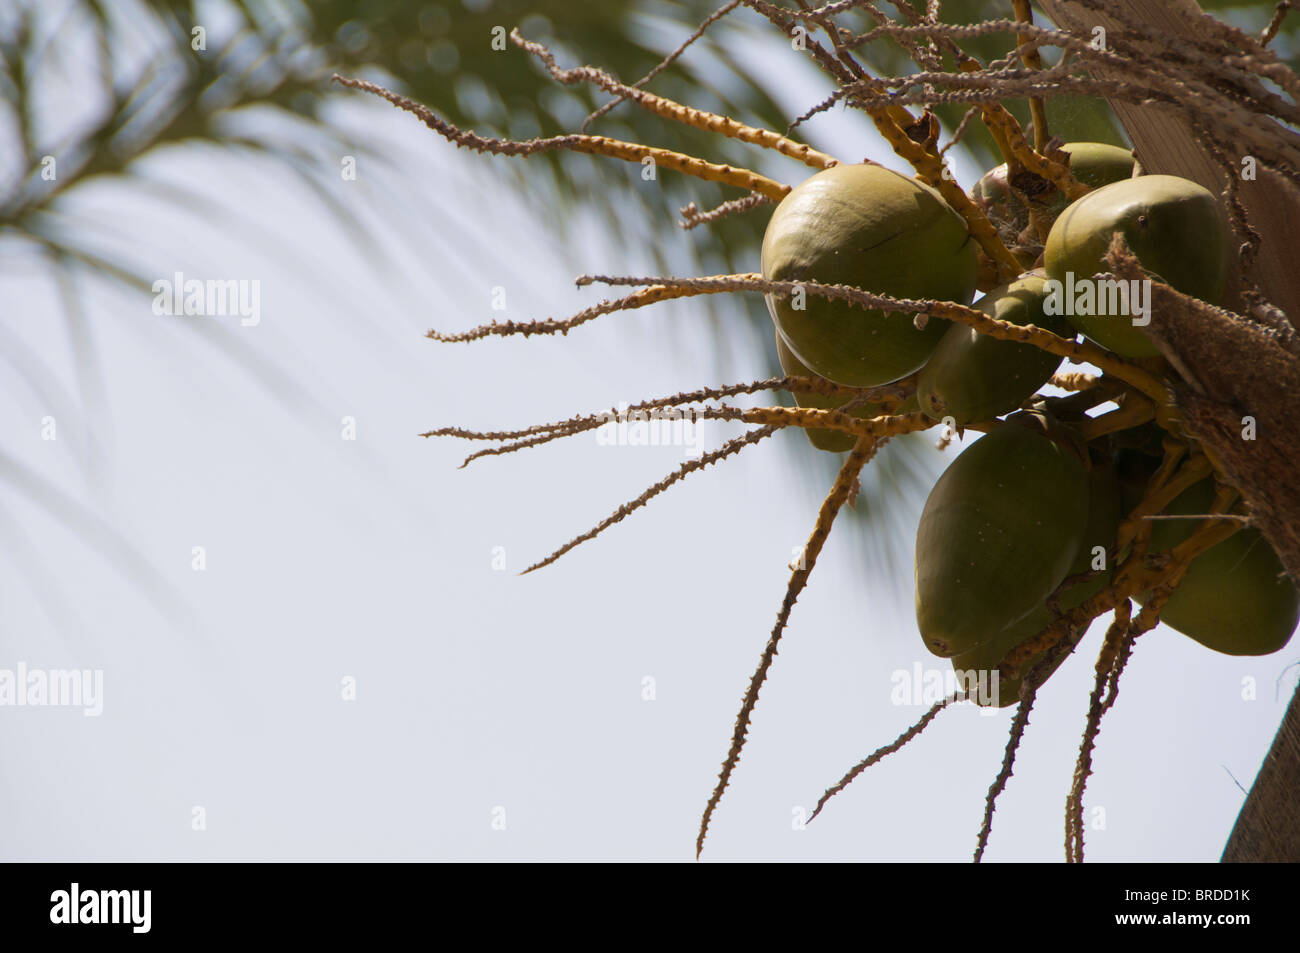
(1220, 81)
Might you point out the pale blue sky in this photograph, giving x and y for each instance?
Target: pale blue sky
(479, 689)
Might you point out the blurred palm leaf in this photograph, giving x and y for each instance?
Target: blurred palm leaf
(141, 82)
(444, 57)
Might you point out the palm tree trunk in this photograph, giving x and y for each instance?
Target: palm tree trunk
(1268, 827)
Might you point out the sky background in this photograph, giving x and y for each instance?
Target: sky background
(372, 559)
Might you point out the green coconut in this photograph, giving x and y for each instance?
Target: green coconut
(1103, 522)
(832, 441)
(874, 229)
(998, 533)
(1234, 597)
(1174, 227)
(972, 377)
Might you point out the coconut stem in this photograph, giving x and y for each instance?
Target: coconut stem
(1136, 410)
(1116, 648)
(1034, 60)
(881, 753)
(591, 145)
(930, 168)
(845, 482)
(886, 425)
(1055, 172)
(1133, 576)
(1160, 494)
(668, 109)
(638, 299)
(1081, 352)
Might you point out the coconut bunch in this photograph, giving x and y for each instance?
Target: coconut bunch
(1113, 488)
(1025, 524)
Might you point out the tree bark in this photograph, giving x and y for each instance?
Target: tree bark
(1233, 370)
(1268, 827)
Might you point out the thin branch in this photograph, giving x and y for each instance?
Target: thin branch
(845, 483)
(665, 62)
(726, 450)
(693, 217)
(591, 145)
(668, 109)
(881, 753)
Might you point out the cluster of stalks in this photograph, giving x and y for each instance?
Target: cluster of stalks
(1132, 65)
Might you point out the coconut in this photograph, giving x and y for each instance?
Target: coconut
(873, 229)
